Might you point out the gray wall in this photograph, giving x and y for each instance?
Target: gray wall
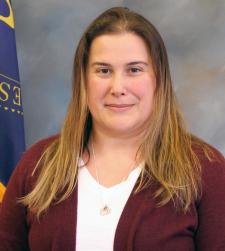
(193, 30)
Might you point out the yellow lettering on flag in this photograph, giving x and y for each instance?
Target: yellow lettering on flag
(17, 98)
(4, 92)
(2, 191)
(8, 20)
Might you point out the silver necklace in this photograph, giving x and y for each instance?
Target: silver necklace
(105, 209)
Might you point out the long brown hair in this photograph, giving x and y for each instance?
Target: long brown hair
(167, 148)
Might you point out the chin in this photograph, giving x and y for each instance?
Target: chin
(122, 130)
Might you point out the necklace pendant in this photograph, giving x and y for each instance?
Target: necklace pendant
(105, 210)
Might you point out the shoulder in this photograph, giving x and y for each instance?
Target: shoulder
(211, 160)
(22, 174)
(33, 153)
(213, 164)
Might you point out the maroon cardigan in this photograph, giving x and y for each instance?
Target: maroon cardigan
(142, 226)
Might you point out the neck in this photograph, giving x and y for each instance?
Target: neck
(115, 157)
(124, 145)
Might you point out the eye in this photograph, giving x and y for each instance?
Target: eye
(103, 71)
(134, 70)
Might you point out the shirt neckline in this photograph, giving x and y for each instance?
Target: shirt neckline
(132, 175)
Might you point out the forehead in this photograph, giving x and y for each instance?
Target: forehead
(118, 47)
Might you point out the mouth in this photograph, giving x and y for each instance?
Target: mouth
(119, 107)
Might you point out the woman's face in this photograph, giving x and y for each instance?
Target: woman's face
(120, 84)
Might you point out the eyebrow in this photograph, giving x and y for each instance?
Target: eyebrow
(129, 64)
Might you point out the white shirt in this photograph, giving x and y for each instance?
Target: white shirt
(94, 231)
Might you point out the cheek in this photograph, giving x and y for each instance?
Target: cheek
(145, 89)
(96, 91)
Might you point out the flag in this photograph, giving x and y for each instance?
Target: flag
(12, 142)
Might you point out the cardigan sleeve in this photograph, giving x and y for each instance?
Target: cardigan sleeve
(13, 221)
(210, 235)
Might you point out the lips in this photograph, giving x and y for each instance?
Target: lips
(119, 107)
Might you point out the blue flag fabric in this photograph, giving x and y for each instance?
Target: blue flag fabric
(12, 142)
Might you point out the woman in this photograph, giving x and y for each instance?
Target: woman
(124, 174)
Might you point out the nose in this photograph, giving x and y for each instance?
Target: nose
(118, 86)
